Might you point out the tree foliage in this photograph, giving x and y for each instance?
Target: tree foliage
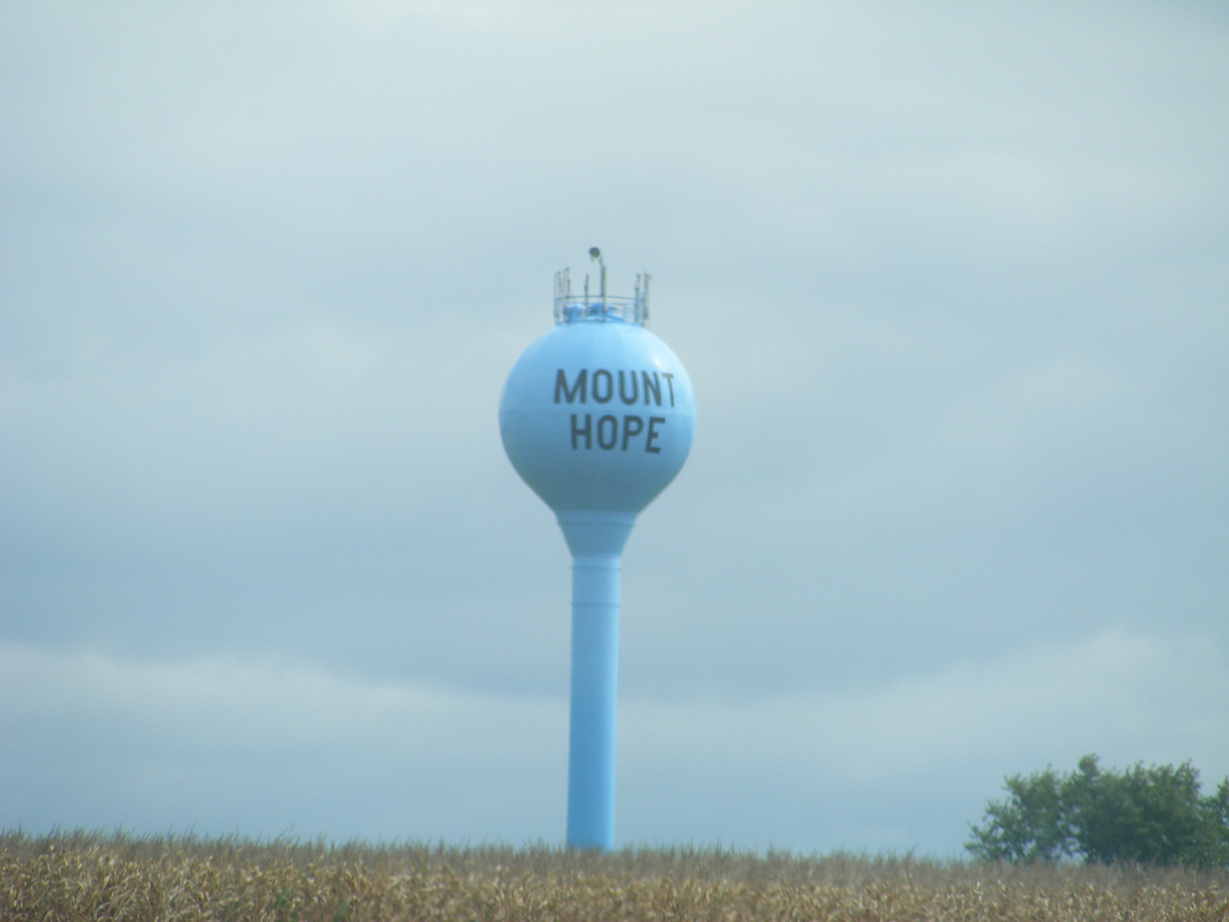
(1147, 816)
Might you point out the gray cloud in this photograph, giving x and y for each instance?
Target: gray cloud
(304, 748)
(949, 283)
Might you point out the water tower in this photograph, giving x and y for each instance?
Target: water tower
(596, 416)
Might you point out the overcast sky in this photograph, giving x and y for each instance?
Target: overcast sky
(951, 281)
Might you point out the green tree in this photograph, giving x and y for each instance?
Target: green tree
(1141, 816)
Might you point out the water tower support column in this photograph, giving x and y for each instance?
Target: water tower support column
(596, 540)
(591, 738)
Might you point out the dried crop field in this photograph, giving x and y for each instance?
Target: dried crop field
(70, 877)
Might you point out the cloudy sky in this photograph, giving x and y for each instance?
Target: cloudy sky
(952, 284)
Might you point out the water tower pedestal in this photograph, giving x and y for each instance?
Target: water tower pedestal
(596, 541)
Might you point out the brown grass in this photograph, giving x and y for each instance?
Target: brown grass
(80, 876)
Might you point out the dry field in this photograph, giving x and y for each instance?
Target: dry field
(70, 877)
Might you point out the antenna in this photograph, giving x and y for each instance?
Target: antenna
(596, 254)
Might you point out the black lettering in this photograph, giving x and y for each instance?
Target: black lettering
(652, 384)
(669, 380)
(586, 432)
(623, 391)
(604, 430)
(632, 425)
(602, 374)
(576, 391)
(653, 435)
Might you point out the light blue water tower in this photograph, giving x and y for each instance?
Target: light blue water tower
(596, 416)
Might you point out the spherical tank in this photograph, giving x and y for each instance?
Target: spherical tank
(597, 415)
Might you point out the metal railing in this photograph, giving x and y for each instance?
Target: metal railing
(574, 308)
